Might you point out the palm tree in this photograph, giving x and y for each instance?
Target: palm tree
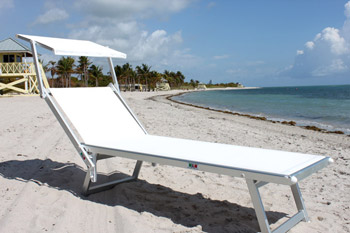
(180, 77)
(83, 69)
(170, 77)
(65, 68)
(53, 71)
(154, 78)
(143, 73)
(118, 72)
(128, 73)
(96, 72)
(192, 83)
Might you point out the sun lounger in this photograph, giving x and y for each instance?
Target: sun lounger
(101, 125)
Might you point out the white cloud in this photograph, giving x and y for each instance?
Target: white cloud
(334, 40)
(120, 36)
(52, 15)
(140, 45)
(309, 45)
(347, 9)
(327, 55)
(219, 57)
(157, 44)
(117, 24)
(109, 33)
(5, 4)
(336, 66)
(122, 9)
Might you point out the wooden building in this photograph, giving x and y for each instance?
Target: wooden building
(17, 72)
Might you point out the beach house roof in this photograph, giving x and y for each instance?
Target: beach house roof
(10, 45)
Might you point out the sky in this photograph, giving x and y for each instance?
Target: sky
(256, 43)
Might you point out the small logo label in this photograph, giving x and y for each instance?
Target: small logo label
(193, 165)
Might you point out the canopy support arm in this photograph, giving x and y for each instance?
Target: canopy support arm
(38, 71)
(114, 76)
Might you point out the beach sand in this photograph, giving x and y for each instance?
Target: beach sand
(41, 175)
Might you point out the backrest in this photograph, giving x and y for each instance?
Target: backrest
(97, 113)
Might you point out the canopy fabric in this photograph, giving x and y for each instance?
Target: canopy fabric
(71, 47)
(96, 113)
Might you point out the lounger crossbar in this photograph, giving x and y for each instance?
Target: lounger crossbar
(100, 125)
(89, 189)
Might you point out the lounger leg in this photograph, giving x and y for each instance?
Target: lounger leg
(88, 189)
(137, 169)
(86, 184)
(301, 215)
(258, 206)
(299, 201)
(87, 180)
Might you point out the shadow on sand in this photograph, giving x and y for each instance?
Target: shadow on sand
(186, 209)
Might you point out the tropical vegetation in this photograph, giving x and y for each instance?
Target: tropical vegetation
(66, 72)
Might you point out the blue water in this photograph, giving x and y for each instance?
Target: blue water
(326, 107)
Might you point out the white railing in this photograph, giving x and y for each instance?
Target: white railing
(16, 68)
(20, 78)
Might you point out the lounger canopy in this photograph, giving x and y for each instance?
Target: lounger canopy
(101, 125)
(69, 47)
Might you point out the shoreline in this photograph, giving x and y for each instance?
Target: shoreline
(291, 123)
(229, 88)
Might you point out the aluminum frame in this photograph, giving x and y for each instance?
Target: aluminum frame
(230, 171)
(90, 154)
(88, 158)
(254, 181)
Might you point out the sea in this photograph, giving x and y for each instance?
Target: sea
(326, 107)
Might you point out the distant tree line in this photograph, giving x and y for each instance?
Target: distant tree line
(66, 73)
(145, 76)
(221, 85)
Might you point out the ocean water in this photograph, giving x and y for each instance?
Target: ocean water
(326, 107)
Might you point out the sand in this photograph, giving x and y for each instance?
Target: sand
(41, 175)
